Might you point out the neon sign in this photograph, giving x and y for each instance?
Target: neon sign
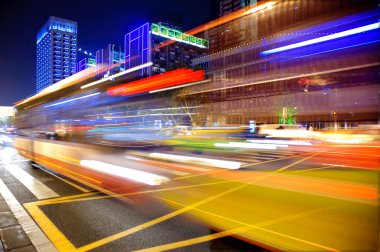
(176, 35)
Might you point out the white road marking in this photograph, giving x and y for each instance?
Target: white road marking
(36, 187)
(36, 236)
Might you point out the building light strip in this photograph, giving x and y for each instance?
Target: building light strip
(324, 38)
(130, 70)
(70, 100)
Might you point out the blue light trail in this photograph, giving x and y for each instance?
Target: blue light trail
(324, 38)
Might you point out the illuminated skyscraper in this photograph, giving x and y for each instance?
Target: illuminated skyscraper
(56, 51)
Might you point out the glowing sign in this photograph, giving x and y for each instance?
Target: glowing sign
(176, 35)
(91, 62)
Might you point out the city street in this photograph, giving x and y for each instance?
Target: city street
(275, 193)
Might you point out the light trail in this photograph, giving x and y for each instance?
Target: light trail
(324, 38)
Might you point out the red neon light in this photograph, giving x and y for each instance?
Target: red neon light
(168, 79)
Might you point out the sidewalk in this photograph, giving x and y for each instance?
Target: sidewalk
(12, 236)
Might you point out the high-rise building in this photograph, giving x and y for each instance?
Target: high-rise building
(56, 51)
(112, 57)
(228, 6)
(150, 43)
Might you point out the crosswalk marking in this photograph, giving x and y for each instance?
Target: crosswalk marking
(34, 185)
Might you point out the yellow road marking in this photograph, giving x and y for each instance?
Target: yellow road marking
(122, 234)
(246, 227)
(58, 239)
(63, 199)
(53, 201)
(196, 240)
(68, 182)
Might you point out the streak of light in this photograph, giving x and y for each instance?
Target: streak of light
(157, 114)
(73, 99)
(66, 181)
(246, 145)
(328, 51)
(179, 173)
(180, 86)
(159, 81)
(281, 142)
(196, 160)
(130, 70)
(67, 82)
(324, 38)
(132, 174)
(68, 170)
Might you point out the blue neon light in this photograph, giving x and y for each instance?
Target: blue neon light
(324, 38)
(82, 97)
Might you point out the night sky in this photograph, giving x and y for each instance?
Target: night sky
(99, 24)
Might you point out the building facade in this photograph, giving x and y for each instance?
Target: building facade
(310, 64)
(56, 51)
(228, 6)
(163, 44)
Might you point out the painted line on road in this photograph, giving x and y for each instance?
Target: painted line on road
(185, 209)
(55, 235)
(36, 236)
(35, 186)
(245, 227)
(66, 181)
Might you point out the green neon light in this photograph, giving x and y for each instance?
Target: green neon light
(173, 34)
(91, 62)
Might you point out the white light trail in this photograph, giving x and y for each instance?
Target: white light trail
(280, 142)
(128, 173)
(246, 145)
(130, 70)
(197, 160)
(73, 99)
